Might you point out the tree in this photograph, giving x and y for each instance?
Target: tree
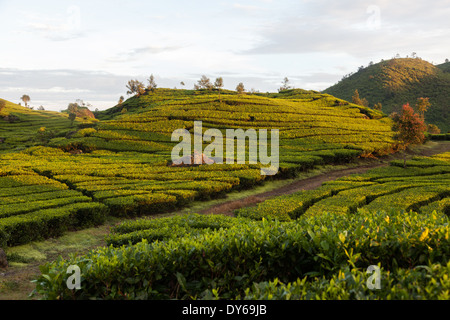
(135, 87)
(218, 84)
(41, 108)
(25, 98)
(151, 83)
(203, 83)
(240, 88)
(285, 85)
(182, 83)
(73, 108)
(378, 106)
(410, 128)
(446, 60)
(433, 129)
(72, 117)
(357, 100)
(422, 106)
(121, 100)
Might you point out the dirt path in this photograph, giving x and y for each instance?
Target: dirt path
(228, 208)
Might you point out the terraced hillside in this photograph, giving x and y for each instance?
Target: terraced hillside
(323, 250)
(308, 122)
(121, 166)
(21, 127)
(424, 187)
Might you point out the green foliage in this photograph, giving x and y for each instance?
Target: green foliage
(227, 261)
(163, 229)
(425, 282)
(425, 182)
(19, 126)
(47, 223)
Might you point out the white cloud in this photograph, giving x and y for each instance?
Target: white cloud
(49, 90)
(48, 46)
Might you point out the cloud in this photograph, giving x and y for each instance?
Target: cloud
(61, 27)
(137, 53)
(55, 89)
(44, 90)
(356, 28)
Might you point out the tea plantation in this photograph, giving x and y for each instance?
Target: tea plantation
(58, 176)
(313, 254)
(120, 165)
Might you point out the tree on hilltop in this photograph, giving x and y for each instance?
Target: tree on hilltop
(285, 85)
(203, 83)
(73, 107)
(218, 84)
(25, 98)
(240, 88)
(151, 83)
(135, 87)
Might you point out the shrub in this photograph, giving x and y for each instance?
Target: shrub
(227, 261)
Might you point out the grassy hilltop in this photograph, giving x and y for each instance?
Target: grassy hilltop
(398, 81)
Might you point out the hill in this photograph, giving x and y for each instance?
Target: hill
(22, 127)
(398, 81)
(304, 118)
(121, 165)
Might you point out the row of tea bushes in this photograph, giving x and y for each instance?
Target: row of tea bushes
(227, 261)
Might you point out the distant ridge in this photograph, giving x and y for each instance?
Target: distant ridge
(398, 81)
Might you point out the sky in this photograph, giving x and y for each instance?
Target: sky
(60, 51)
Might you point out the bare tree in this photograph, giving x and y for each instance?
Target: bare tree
(285, 85)
(151, 83)
(219, 84)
